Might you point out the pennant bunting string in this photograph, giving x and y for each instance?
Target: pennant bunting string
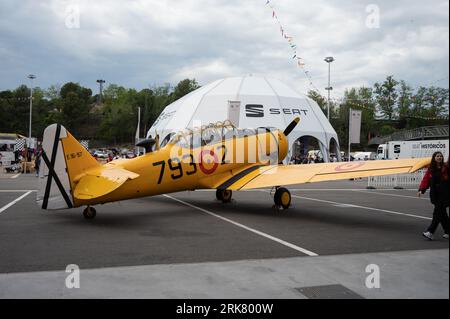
(300, 61)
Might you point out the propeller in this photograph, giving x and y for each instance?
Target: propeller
(147, 144)
(291, 126)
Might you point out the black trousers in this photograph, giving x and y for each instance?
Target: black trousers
(439, 217)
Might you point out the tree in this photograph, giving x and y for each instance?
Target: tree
(357, 99)
(404, 103)
(16, 110)
(75, 106)
(160, 101)
(320, 100)
(437, 101)
(146, 98)
(6, 99)
(120, 107)
(386, 96)
(41, 109)
(53, 92)
(386, 130)
(182, 88)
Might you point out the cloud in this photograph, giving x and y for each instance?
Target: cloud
(140, 43)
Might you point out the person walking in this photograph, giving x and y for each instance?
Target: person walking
(37, 161)
(436, 178)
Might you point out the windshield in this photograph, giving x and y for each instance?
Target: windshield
(204, 135)
(212, 134)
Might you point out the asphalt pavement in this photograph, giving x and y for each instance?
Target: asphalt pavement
(334, 220)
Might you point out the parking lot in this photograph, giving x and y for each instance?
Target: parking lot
(188, 245)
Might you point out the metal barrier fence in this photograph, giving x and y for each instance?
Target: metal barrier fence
(398, 181)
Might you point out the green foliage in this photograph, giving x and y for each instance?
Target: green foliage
(386, 96)
(119, 110)
(15, 111)
(399, 105)
(183, 87)
(114, 121)
(76, 102)
(320, 100)
(386, 130)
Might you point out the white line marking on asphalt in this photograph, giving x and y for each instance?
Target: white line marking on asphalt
(343, 189)
(363, 207)
(345, 205)
(15, 176)
(311, 189)
(285, 243)
(395, 195)
(14, 201)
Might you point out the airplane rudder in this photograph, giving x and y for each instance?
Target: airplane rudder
(53, 183)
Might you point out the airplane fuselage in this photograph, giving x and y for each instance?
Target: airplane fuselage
(176, 167)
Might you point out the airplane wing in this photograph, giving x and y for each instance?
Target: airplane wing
(101, 181)
(280, 175)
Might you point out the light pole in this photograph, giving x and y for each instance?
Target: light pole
(31, 77)
(101, 89)
(329, 88)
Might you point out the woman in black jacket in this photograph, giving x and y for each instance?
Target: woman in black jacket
(436, 178)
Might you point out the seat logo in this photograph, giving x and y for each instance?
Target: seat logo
(257, 110)
(254, 110)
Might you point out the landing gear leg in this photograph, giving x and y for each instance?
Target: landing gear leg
(282, 197)
(89, 212)
(224, 195)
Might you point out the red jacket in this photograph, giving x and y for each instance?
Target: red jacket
(426, 180)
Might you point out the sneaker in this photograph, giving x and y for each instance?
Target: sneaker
(445, 236)
(428, 235)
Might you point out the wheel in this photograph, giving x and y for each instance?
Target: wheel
(219, 194)
(282, 197)
(224, 195)
(89, 212)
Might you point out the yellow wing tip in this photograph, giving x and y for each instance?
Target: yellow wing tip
(421, 163)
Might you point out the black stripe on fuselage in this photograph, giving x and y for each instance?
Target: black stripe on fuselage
(238, 176)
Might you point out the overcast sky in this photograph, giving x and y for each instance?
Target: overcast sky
(141, 43)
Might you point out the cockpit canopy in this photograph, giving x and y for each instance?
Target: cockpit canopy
(211, 134)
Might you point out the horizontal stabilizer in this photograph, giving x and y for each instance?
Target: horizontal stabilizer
(102, 182)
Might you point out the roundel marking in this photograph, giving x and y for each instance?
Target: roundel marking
(203, 162)
(348, 166)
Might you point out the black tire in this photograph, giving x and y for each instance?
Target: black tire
(282, 197)
(224, 195)
(89, 212)
(219, 194)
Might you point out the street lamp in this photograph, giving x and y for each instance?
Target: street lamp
(329, 88)
(31, 77)
(101, 89)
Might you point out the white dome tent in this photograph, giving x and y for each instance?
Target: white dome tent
(260, 102)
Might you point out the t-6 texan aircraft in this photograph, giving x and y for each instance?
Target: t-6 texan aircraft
(218, 156)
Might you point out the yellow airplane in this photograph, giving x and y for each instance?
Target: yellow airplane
(217, 156)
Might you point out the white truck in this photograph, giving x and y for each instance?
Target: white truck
(412, 149)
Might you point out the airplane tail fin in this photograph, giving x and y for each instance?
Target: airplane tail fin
(63, 160)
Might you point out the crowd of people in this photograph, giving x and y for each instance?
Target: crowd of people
(302, 159)
(313, 159)
(25, 160)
